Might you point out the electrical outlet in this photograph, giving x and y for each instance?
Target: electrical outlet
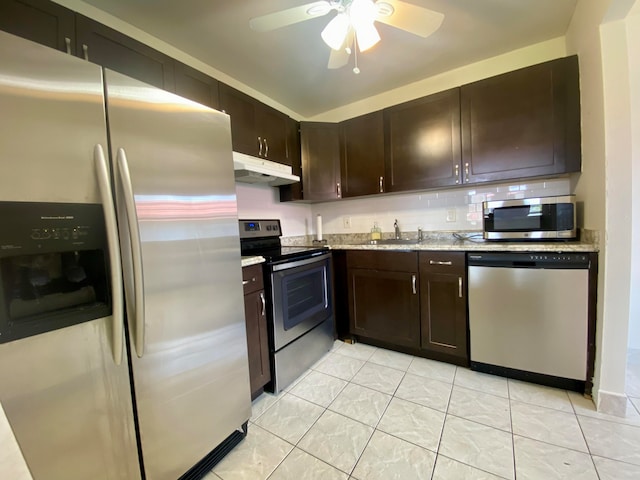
(346, 222)
(451, 215)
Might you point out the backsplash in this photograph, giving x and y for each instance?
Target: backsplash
(458, 209)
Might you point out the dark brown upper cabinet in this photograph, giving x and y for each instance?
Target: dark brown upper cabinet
(362, 140)
(114, 50)
(524, 123)
(196, 86)
(256, 129)
(422, 142)
(293, 191)
(40, 21)
(320, 151)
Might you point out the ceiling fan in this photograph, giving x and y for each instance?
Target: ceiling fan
(352, 28)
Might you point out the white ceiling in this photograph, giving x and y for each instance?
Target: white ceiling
(289, 64)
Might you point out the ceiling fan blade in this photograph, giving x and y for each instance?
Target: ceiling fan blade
(411, 18)
(283, 18)
(339, 58)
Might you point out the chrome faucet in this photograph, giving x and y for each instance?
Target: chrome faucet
(397, 229)
(420, 234)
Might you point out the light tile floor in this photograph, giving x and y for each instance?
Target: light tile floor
(366, 413)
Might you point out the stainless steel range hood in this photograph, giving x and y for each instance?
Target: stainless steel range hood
(250, 169)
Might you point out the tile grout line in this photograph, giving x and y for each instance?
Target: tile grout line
(513, 437)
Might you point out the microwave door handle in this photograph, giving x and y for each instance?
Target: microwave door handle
(104, 185)
(136, 250)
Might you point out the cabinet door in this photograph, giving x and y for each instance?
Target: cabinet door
(196, 86)
(293, 191)
(524, 123)
(257, 342)
(422, 142)
(383, 297)
(40, 21)
(111, 49)
(363, 155)
(443, 301)
(241, 109)
(320, 150)
(272, 128)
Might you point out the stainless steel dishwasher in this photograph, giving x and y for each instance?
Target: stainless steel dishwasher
(528, 315)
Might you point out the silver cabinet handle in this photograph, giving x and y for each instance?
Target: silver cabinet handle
(264, 304)
(67, 42)
(436, 262)
(266, 148)
(460, 287)
(136, 252)
(338, 190)
(244, 282)
(466, 172)
(381, 183)
(260, 146)
(111, 226)
(413, 284)
(85, 51)
(457, 173)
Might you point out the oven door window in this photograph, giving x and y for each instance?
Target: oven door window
(43, 292)
(304, 295)
(301, 299)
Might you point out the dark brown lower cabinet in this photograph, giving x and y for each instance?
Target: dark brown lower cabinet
(443, 305)
(383, 296)
(256, 321)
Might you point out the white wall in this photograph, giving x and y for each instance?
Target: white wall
(633, 39)
(597, 34)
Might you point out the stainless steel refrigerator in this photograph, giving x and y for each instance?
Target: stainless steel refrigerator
(122, 340)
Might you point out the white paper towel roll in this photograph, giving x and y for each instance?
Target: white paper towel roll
(319, 227)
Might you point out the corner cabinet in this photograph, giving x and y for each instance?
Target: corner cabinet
(362, 165)
(422, 142)
(256, 322)
(383, 296)
(443, 306)
(256, 128)
(320, 152)
(524, 123)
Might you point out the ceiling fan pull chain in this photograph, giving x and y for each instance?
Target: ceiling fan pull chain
(356, 70)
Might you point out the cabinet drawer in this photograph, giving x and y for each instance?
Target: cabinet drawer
(442, 262)
(252, 279)
(388, 261)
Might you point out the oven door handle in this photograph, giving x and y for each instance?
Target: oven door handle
(285, 265)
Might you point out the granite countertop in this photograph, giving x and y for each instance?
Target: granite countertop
(450, 241)
(252, 260)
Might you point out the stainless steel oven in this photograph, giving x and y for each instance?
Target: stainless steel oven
(299, 300)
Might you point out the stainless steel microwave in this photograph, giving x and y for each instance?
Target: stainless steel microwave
(541, 218)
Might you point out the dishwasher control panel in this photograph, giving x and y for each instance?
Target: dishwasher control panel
(529, 259)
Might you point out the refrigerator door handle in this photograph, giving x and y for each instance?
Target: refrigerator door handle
(136, 250)
(117, 316)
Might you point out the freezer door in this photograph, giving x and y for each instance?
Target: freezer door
(67, 401)
(179, 234)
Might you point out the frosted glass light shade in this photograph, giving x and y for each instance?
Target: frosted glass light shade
(367, 36)
(336, 31)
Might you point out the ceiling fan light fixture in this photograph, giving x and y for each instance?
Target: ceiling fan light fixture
(336, 31)
(367, 36)
(362, 12)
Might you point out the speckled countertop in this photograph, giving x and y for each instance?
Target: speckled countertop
(449, 241)
(253, 260)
